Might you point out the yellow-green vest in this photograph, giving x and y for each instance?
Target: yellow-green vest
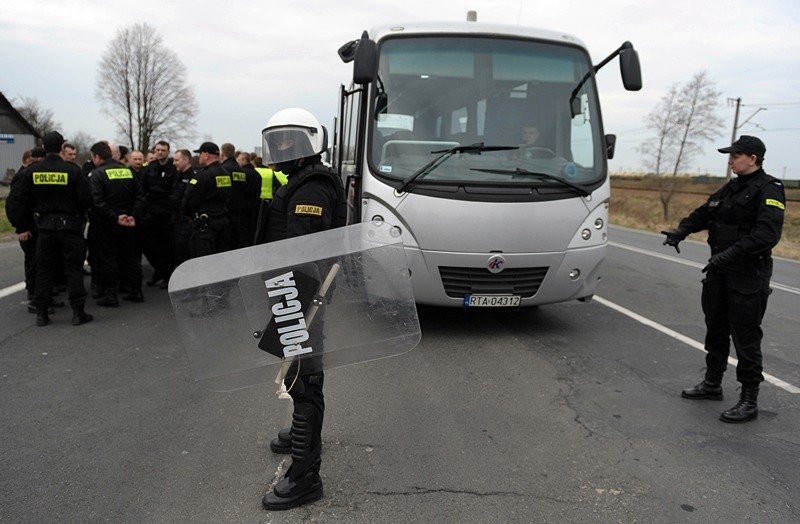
(267, 183)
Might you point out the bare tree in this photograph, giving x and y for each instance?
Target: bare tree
(683, 121)
(659, 149)
(40, 118)
(142, 87)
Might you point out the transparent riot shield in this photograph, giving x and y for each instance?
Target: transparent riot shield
(315, 302)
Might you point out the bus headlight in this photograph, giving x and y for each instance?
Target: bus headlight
(575, 274)
(598, 224)
(377, 219)
(586, 234)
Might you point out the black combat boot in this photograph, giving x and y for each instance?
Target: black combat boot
(709, 389)
(134, 296)
(747, 407)
(42, 318)
(302, 483)
(110, 299)
(282, 444)
(79, 316)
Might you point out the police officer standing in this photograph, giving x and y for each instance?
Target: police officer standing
(118, 201)
(56, 193)
(744, 220)
(181, 228)
(156, 226)
(24, 224)
(205, 202)
(313, 200)
(245, 186)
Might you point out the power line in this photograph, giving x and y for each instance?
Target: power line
(777, 104)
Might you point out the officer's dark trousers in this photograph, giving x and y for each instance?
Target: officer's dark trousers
(55, 245)
(29, 250)
(181, 233)
(213, 238)
(115, 255)
(734, 305)
(241, 233)
(157, 240)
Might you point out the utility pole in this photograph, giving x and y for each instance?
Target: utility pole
(738, 102)
(736, 126)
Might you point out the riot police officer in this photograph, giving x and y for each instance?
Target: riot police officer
(57, 195)
(744, 220)
(313, 200)
(205, 202)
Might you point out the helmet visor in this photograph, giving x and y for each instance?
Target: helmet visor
(287, 143)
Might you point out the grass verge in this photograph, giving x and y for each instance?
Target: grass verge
(638, 209)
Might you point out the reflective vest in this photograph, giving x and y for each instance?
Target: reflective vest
(267, 182)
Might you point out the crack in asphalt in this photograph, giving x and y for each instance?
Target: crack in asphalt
(427, 491)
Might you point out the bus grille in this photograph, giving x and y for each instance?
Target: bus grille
(460, 281)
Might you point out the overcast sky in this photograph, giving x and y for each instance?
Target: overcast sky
(247, 59)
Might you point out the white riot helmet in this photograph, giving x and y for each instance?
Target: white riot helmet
(292, 134)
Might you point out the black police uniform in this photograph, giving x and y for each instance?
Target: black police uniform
(57, 195)
(744, 220)
(156, 227)
(206, 203)
(181, 227)
(313, 200)
(245, 190)
(250, 204)
(115, 191)
(24, 222)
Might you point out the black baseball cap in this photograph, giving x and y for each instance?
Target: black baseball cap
(52, 141)
(746, 144)
(208, 147)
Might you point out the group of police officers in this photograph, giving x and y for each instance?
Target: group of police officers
(165, 210)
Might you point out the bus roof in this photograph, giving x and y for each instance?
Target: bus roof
(473, 28)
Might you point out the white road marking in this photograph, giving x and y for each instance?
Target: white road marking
(12, 289)
(686, 340)
(773, 285)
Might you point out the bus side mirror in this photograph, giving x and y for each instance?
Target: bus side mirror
(611, 143)
(365, 61)
(348, 51)
(630, 69)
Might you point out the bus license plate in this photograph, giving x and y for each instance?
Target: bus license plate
(491, 300)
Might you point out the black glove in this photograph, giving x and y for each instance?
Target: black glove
(674, 238)
(724, 258)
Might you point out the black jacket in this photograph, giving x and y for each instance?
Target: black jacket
(313, 200)
(208, 191)
(115, 191)
(747, 212)
(157, 183)
(52, 187)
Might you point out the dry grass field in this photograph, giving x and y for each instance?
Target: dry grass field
(634, 204)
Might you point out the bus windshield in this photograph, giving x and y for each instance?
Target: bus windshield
(439, 92)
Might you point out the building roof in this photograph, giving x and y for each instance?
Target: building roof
(11, 121)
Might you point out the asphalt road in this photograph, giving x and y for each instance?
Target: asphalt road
(564, 413)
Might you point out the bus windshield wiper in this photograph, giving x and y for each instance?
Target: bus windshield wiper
(522, 172)
(444, 154)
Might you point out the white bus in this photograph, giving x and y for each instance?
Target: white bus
(483, 145)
